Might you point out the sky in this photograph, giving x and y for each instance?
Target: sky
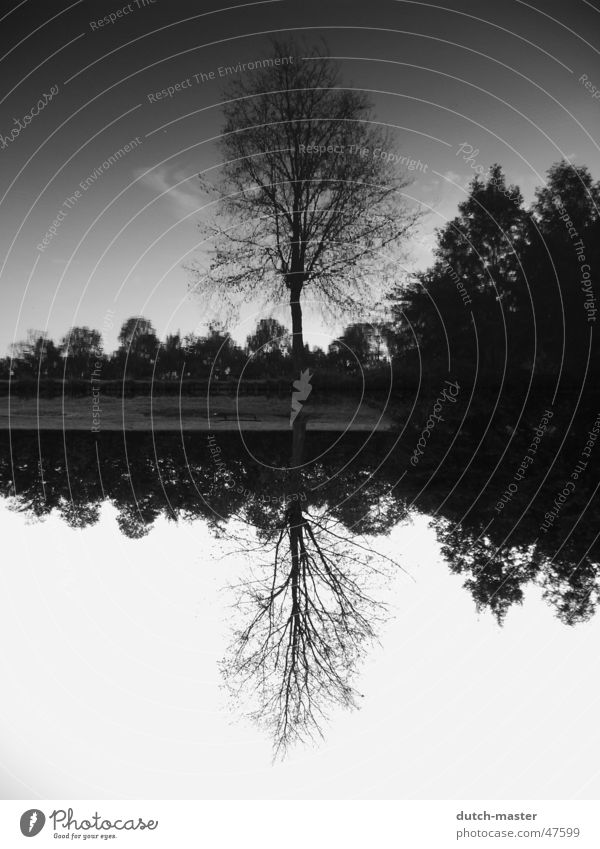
(453, 707)
(505, 79)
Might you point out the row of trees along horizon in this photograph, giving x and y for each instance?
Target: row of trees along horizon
(487, 303)
(79, 356)
(298, 212)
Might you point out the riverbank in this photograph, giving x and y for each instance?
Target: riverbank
(257, 413)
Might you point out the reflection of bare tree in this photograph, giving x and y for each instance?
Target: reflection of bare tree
(311, 620)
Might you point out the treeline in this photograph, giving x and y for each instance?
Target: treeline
(510, 299)
(511, 296)
(142, 356)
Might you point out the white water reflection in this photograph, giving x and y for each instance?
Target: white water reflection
(112, 688)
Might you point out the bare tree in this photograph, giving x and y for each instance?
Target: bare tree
(311, 619)
(307, 196)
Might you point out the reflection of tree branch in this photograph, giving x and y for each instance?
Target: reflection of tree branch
(364, 548)
(311, 619)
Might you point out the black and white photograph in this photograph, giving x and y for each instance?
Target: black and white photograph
(299, 422)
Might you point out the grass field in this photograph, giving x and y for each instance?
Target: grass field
(160, 413)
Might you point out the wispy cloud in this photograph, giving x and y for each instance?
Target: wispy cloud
(179, 187)
(452, 177)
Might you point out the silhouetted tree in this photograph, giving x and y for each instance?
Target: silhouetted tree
(579, 195)
(269, 349)
(564, 249)
(270, 335)
(215, 354)
(171, 357)
(138, 347)
(82, 348)
(470, 310)
(35, 357)
(311, 204)
(358, 348)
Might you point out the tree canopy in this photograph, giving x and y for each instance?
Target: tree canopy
(305, 197)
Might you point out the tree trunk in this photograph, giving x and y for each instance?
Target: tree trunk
(298, 438)
(297, 334)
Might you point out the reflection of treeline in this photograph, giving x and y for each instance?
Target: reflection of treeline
(148, 475)
(502, 554)
(459, 480)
